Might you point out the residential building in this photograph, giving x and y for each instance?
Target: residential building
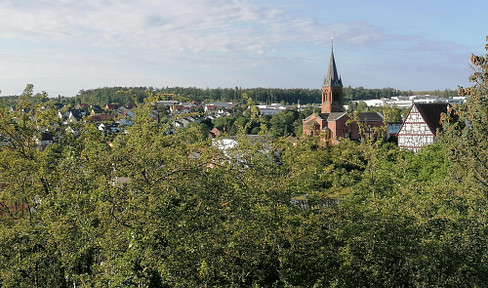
(422, 125)
(218, 107)
(110, 127)
(73, 115)
(112, 107)
(407, 101)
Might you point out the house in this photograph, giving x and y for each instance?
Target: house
(218, 107)
(125, 118)
(96, 109)
(183, 122)
(216, 132)
(46, 139)
(112, 107)
(75, 115)
(333, 123)
(422, 125)
(110, 127)
(83, 106)
(270, 109)
(180, 109)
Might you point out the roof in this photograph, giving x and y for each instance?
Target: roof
(83, 105)
(333, 116)
(370, 116)
(77, 113)
(101, 117)
(220, 104)
(431, 113)
(112, 106)
(332, 79)
(97, 109)
(46, 136)
(323, 116)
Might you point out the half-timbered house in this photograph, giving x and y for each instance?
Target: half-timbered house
(422, 125)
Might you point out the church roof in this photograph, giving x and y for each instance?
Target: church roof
(333, 116)
(370, 116)
(332, 79)
(323, 116)
(311, 119)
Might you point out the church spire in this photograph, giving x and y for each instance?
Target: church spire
(332, 79)
(332, 97)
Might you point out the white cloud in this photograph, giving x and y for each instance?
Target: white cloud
(96, 40)
(172, 27)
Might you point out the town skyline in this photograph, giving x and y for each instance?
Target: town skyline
(65, 46)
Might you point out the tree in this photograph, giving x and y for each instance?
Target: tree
(28, 255)
(147, 209)
(467, 137)
(282, 123)
(155, 209)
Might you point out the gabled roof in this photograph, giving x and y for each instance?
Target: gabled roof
(333, 116)
(97, 109)
(82, 106)
(370, 116)
(431, 113)
(323, 116)
(332, 79)
(329, 117)
(112, 106)
(77, 113)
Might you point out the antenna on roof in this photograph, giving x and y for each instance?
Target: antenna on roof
(332, 42)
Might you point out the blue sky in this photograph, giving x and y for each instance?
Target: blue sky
(63, 46)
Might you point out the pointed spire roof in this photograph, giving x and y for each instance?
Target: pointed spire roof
(332, 79)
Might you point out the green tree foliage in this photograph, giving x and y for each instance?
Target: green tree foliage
(361, 93)
(225, 124)
(467, 138)
(282, 124)
(399, 226)
(147, 209)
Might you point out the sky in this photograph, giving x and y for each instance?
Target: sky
(64, 46)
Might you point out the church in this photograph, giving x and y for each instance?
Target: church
(333, 123)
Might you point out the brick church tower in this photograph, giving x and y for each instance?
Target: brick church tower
(332, 96)
(333, 123)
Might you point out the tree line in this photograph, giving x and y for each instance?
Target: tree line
(259, 95)
(107, 95)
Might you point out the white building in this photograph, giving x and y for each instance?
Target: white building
(421, 126)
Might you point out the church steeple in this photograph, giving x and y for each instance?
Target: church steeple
(332, 79)
(332, 98)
